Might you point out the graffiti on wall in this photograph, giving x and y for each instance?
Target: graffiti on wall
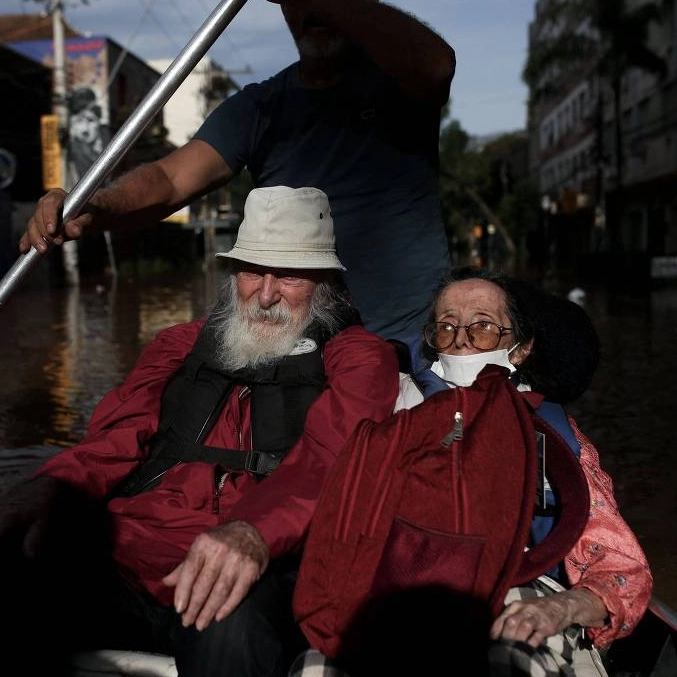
(87, 94)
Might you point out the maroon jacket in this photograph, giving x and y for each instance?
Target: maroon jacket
(154, 530)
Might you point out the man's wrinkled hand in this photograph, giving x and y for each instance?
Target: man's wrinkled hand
(45, 228)
(218, 572)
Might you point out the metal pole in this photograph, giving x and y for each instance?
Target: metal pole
(184, 63)
(69, 250)
(59, 89)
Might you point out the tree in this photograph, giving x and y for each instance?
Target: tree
(487, 182)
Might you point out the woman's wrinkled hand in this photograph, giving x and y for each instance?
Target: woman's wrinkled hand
(533, 621)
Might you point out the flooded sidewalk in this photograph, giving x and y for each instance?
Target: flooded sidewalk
(63, 349)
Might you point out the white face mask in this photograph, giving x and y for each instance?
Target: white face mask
(462, 370)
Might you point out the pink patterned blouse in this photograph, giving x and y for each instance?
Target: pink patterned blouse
(607, 559)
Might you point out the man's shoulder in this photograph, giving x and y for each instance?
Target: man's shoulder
(356, 341)
(357, 332)
(275, 83)
(169, 348)
(184, 334)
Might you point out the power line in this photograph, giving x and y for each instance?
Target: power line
(114, 70)
(186, 21)
(164, 30)
(225, 36)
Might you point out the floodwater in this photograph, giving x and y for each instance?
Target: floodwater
(62, 349)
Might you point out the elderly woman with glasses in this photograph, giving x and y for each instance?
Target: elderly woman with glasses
(548, 345)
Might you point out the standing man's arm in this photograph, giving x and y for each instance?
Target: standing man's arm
(142, 196)
(419, 59)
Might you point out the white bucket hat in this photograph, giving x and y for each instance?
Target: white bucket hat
(286, 228)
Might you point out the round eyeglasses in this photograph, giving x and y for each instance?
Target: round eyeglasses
(482, 335)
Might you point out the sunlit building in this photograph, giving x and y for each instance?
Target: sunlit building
(201, 91)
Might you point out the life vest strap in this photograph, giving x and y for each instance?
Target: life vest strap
(237, 460)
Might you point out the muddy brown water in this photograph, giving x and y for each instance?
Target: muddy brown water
(62, 349)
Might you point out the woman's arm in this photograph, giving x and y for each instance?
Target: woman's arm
(534, 620)
(608, 561)
(608, 571)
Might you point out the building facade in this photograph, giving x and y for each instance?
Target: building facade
(204, 88)
(104, 85)
(606, 188)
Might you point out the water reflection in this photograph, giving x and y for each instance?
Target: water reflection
(63, 349)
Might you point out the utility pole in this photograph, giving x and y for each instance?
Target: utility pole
(60, 109)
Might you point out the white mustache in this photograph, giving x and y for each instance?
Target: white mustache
(277, 314)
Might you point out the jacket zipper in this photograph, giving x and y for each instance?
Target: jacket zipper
(456, 433)
(452, 441)
(221, 481)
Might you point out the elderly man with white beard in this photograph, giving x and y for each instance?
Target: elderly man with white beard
(205, 465)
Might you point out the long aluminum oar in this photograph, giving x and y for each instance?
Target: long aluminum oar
(130, 131)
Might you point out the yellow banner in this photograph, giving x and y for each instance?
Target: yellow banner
(51, 152)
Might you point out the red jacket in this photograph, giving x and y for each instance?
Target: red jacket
(154, 530)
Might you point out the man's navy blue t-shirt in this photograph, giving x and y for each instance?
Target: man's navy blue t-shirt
(375, 153)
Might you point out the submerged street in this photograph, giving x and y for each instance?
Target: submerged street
(63, 349)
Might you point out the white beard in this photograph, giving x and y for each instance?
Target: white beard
(251, 336)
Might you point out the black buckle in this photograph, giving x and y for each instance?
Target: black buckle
(262, 462)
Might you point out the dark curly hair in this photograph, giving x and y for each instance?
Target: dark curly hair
(566, 348)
